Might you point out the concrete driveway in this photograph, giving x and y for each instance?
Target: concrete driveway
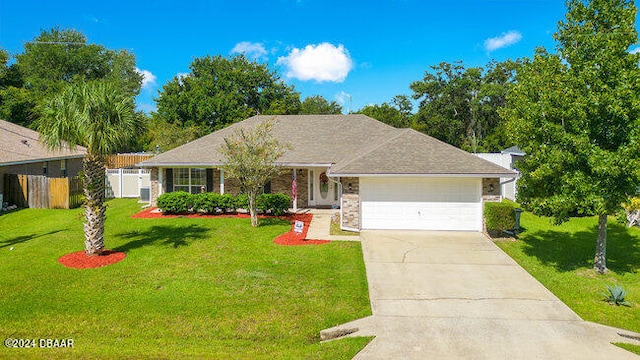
(456, 295)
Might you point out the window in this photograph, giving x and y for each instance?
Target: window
(267, 188)
(189, 180)
(63, 167)
(45, 168)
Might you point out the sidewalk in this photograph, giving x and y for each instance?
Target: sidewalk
(320, 225)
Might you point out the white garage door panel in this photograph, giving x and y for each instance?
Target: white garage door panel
(421, 203)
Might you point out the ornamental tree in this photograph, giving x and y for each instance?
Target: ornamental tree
(251, 157)
(576, 115)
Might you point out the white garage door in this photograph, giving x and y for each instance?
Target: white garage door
(421, 203)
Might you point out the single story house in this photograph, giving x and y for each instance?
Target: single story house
(379, 176)
(22, 153)
(506, 158)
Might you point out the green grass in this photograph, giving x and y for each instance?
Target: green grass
(204, 288)
(334, 229)
(561, 258)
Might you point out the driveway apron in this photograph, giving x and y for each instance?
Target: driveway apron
(456, 295)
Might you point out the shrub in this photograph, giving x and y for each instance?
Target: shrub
(178, 202)
(276, 204)
(207, 202)
(242, 201)
(499, 216)
(228, 203)
(615, 295)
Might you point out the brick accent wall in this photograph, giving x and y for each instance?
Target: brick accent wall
(350, 202)
(486, 185)
(155, 186)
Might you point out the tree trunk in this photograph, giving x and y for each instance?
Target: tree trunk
(600, 261)
(252, 208)
(94, 208)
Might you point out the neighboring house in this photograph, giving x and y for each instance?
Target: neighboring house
(22, 153)
(379, 176)
(507, 159)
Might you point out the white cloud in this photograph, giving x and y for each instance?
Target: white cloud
(506, 39)
(254, 50)
(342, 97)
(322, 62)
(148, 79)
(635, 51)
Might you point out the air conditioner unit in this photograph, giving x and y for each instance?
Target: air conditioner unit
(145, 194)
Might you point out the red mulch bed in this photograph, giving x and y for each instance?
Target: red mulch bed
(290, 238)
(80, 260)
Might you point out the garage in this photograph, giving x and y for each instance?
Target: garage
(421, 203)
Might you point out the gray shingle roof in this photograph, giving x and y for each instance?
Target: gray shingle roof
(352, 144)
(19, 145)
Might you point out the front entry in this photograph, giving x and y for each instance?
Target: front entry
(322, 191)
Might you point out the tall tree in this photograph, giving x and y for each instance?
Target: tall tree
(220, 91)
(99, 116)
(398, 114)
(459, 105)
(251, 158)
(55, 58)
(317, 104)
(576, 115)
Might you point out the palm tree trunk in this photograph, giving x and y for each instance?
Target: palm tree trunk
(94, 208)
(600, 261)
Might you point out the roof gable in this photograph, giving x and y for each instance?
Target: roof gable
(19, 145)
(410, 152)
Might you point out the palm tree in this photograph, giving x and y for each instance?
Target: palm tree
(100, 117)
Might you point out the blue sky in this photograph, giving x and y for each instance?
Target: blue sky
(367, 50)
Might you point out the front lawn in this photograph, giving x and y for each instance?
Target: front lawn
(561, 258)
(204, 288)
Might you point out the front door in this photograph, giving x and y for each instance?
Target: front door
(322, 191)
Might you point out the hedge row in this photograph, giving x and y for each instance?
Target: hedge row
(182, 202)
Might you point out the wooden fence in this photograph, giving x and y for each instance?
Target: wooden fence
(41, 192)
(121, 161)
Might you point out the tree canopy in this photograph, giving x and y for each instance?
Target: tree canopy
(576, 115)
(220, 91)
(53, 59)
(317, 104)
(459, 105)
(397, 114)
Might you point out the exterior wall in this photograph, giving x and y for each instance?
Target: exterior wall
(155, 186)
(53, 170)
(350, 203)
(491, 189)
(281, 184)
(507, 161)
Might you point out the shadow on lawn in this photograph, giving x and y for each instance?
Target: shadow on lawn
(24, 238)
(175, 236)
(568, 251)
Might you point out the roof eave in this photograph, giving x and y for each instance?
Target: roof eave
(439, 175)
(31, 161)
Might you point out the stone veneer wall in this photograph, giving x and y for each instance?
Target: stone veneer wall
(350, 202)
(155, 186)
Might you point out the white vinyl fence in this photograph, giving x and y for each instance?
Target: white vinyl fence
(128, 183)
